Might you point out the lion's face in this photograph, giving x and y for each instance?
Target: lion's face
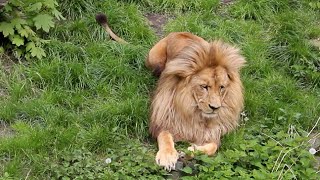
(209, 88)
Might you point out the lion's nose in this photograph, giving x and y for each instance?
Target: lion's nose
(214, 107)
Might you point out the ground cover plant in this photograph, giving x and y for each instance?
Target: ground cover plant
(81, 112)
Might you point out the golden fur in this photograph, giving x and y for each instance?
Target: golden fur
(198, 96)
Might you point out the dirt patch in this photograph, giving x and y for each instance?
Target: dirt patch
(3, 92)
(226, 1)
(5, 130)
(315, 42)
(7, 62)
(157, 21)
(315, 144)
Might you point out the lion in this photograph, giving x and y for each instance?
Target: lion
(199, 94)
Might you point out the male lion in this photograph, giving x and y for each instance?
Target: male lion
(198, 96)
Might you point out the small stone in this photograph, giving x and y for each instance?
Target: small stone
(108, 161)
(179, 165)
(182, 155)
(312, 151)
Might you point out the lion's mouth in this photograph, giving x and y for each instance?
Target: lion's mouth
(210, 115)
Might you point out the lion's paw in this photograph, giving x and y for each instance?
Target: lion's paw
(192, 148)
(167, 159)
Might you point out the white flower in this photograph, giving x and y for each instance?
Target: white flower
(108, 161)
(312, 151)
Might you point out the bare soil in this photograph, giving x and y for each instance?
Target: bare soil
(157, 22)
(5, 130)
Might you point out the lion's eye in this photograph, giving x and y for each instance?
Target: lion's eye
(204, 86)
(222, 88)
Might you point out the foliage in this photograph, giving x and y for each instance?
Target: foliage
(260, 156)
(22, 23)
(77, 164)
(315, 5)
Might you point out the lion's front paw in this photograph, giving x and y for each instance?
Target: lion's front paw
(193, 148)
(167, 159)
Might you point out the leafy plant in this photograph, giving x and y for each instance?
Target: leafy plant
(6, 176)
(128, 162)
(77, 164)
(314, 5)
(260, 156)
(22, 23)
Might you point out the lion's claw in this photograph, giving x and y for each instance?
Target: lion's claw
(167, 159)
(192, 148)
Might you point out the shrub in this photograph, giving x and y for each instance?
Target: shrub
(260, 156)
(23, 22)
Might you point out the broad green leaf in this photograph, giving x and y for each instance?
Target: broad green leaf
(38, 52)
(30, 45)
(43, 21)
(34, 7)
(206, 159)
(6, 28)
(29, 30)
(50, 4)
(187, 170)
(205, 169)
(58, 14)
(1, 50)
(34, 50)
(7, 8)
(23, 32)
(17, 40)
(17, 22)
(16, 3)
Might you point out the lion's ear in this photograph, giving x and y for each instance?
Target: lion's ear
(229, 76)
(232, 75)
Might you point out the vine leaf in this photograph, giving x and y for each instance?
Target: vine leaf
(58, 15)
(17, 40)
(35, 51)
(6, 29)
(50, 4)
(187, 170)
(23, 32)
(38, 52)
(43, 21)
(34, 7)
(17, 22)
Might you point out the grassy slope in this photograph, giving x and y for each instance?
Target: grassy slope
(90, 93)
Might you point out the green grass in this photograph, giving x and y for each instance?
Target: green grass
(88, 100)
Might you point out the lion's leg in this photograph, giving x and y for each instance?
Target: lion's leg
(209, 148)
(167, 155)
